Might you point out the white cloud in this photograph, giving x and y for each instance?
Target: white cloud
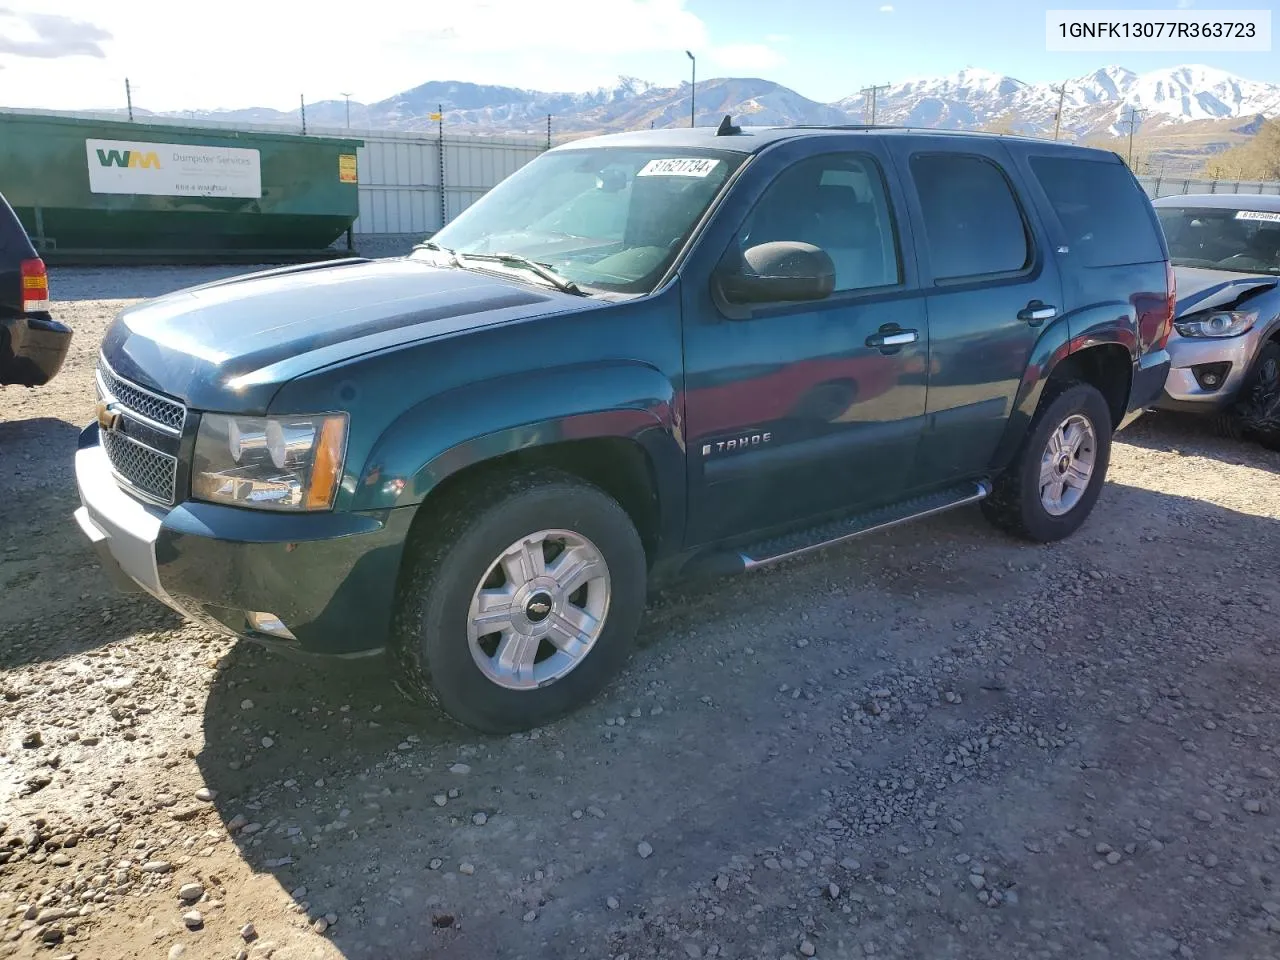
(887, 8)
(745, 57)
(256, 53)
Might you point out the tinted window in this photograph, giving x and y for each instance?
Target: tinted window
(837, 202)
(972, 223)
(1101, 208)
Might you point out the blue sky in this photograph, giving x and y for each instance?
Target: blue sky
(68, 54)
(837, 46)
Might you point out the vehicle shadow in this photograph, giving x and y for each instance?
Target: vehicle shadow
(358, 798)
(45, 561)
(1188, 434)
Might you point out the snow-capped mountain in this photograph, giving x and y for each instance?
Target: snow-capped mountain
(1096, 103)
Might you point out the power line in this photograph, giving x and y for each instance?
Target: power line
(871, 92)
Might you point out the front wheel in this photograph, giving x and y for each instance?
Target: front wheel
(1257, 410)
(522, 602)
(1054, 481)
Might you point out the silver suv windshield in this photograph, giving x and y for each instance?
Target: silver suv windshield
(603, 218)
(1223, 238)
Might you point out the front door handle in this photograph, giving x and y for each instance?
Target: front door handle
(1036, 312)
(892, 338)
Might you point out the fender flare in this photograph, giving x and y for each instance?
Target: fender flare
(459, 429)
(1053, 347)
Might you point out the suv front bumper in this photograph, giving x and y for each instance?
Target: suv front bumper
(330, 578)
(1183, 392)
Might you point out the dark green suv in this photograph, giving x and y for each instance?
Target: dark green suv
(642, 356)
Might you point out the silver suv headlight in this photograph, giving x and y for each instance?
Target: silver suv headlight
(271, 463)
(1218, 324)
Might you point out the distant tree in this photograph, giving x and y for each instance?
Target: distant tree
(1258, 159)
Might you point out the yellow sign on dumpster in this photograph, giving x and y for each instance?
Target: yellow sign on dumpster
(347, 168)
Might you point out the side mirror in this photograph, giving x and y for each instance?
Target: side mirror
(778, 271)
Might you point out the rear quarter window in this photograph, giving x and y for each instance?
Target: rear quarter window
(1103, 210)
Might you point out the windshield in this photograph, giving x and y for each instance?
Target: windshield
(610, 218)
(1245, 241)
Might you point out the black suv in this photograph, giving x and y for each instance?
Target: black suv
(32, 344)
(643, 355)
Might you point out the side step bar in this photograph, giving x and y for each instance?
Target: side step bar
(764, 552)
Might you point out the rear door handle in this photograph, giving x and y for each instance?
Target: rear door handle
(1036, 312)
(893, 338)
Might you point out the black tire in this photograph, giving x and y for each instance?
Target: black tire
(1257, 409)
(1015, 504)
(446, 565)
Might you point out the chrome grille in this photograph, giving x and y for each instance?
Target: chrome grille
(150, 406)
(137, 460)
(148, 471)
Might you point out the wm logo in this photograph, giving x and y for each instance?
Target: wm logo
(128, 158)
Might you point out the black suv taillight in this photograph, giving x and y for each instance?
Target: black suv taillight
(35, 285)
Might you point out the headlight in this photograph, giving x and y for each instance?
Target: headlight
(1222, 323)
(273, 463)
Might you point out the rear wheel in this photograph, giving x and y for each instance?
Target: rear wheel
(522, 601)
(1054, 481)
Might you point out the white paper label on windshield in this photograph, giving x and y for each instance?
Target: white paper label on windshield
(689, 167)
(1258, 215)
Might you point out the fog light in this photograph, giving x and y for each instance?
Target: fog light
(268, 623)
(1211, 376)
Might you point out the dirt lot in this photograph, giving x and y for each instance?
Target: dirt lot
(936, 742)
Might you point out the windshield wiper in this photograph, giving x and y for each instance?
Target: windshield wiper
(518, 260)
(432, 245)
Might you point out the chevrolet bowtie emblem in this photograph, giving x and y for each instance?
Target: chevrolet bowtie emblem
(538, 608)
(109, 414)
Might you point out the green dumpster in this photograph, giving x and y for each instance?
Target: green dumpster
(92, 189)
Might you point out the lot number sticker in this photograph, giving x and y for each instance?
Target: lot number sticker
(1265, 215)
(691, 167)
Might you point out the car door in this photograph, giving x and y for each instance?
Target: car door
(793, 410)
(991, 291)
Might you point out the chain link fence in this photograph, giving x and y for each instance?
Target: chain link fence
(1175, 186)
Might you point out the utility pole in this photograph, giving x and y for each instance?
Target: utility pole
(1134, 116)
(1057, 118)
(693, 89)
(444, 203)
(347, 97)
(128, 98)
(302, 106)
(870, 93)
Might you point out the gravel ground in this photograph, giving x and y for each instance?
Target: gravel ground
(935, 742)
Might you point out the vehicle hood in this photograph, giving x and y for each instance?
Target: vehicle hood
(1201, 289)
(229, 345)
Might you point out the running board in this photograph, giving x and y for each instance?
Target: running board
(764, 552)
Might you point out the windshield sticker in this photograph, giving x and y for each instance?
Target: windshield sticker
(691, 167)
(1266, 215)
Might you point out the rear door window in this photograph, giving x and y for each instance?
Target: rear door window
(1102, 209)
(972, 222)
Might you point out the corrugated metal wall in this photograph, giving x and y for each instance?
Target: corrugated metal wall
(1171, 186)
(400, 178)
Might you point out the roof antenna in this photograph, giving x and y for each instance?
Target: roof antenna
(726, 128)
